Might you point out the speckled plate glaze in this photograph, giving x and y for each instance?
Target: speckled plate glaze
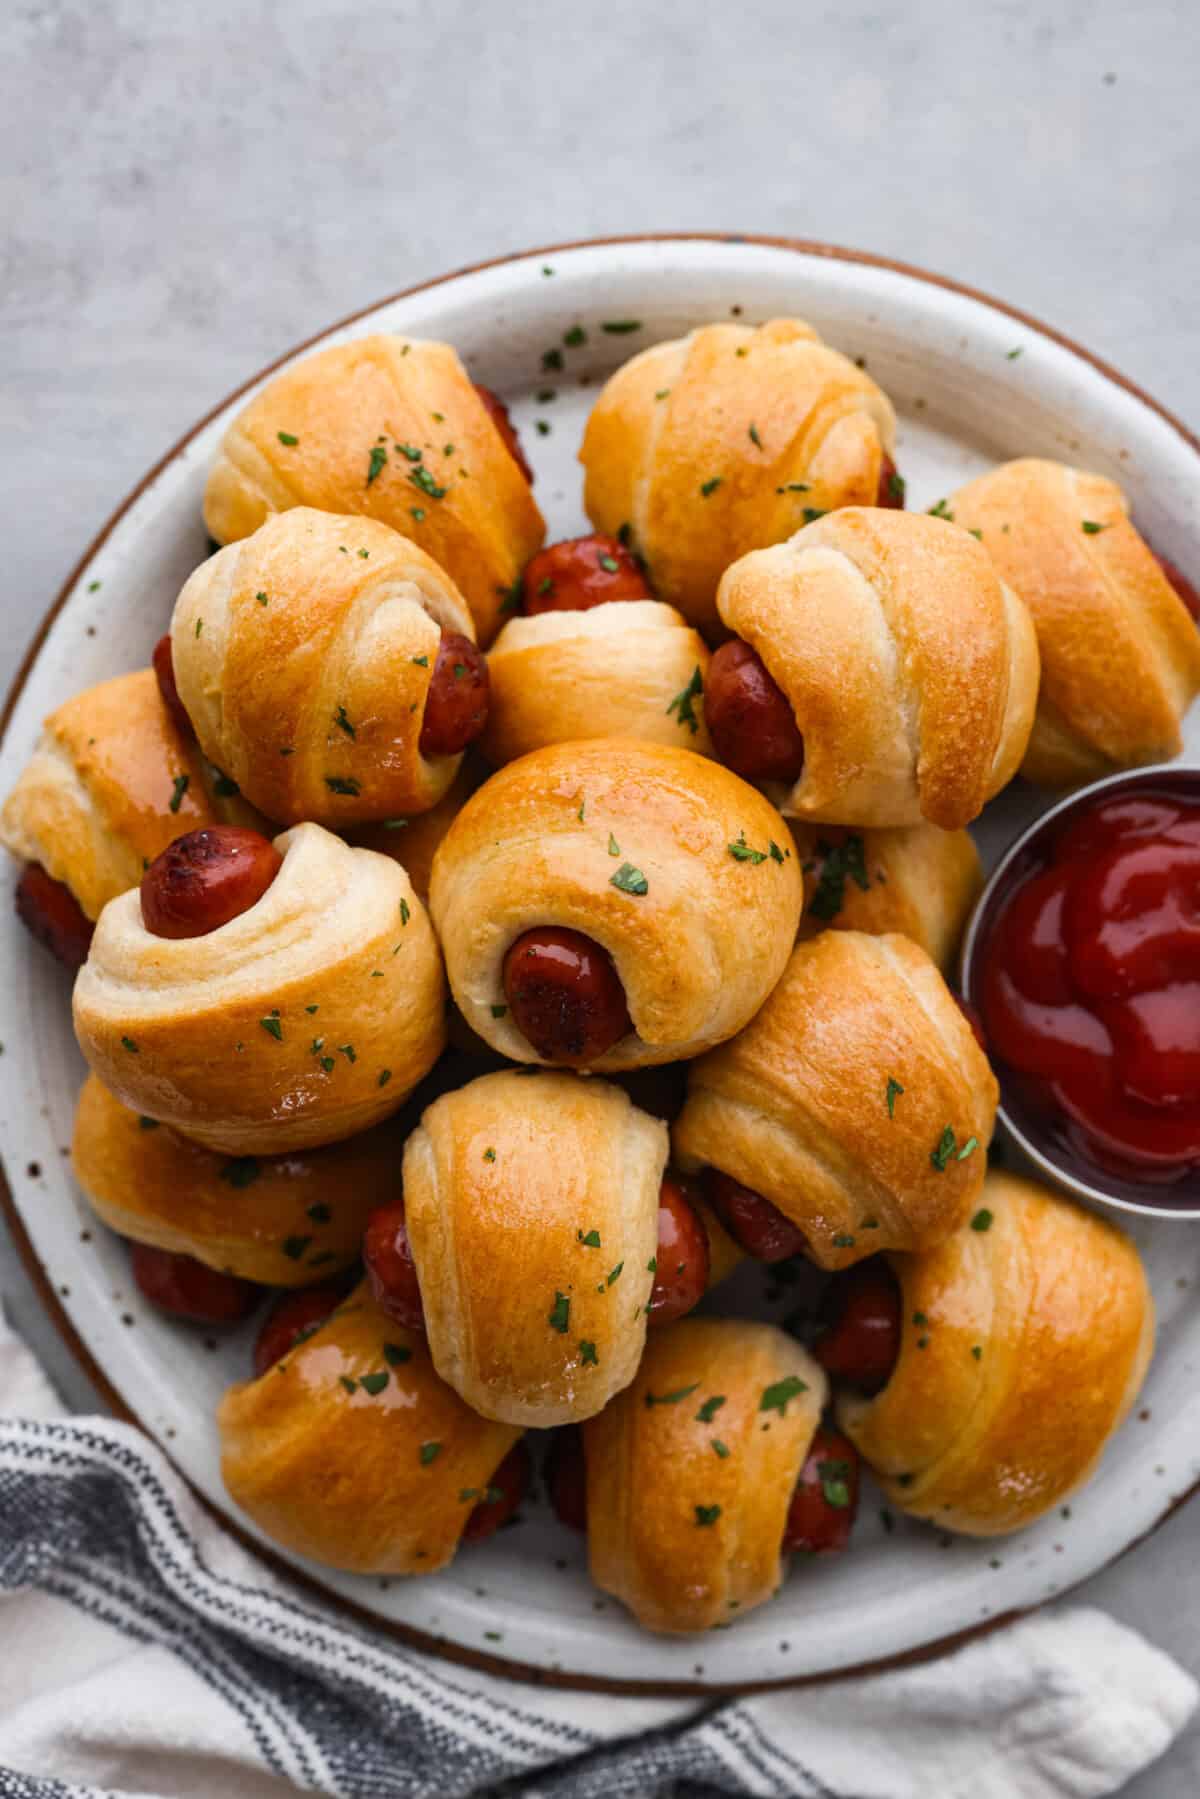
(973, 383)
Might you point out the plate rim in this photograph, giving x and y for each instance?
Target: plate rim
(410, 1635)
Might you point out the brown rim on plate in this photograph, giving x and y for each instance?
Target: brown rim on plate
(405, 1633)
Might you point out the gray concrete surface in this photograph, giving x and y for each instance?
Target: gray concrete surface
(188, 190)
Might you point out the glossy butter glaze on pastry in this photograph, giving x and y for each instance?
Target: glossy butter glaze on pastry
(728, 440)
(392, 428)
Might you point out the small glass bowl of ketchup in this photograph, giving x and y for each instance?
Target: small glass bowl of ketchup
(1082, 964)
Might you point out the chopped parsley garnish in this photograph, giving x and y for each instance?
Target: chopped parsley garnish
(180, 788)
(272, 1027)
(894, 1090)
(347, 1050)
(794, 487)
(374, 1383)
(498, 1011)
(224, 788)
(1011, 355)
(897, 487)
(429, 1453)
(405, 913)
(351, 1386)
(559, 1316)
(542, 427)
(629, 879)
(342, 721)
(552, 359)
(241, 1171)
(810, 514)
(982, 1220)
(707, 1514)
(1092, 528)
(835, 1483)
(941, 510)
(396, 1353)
(755, 439)
(410, 452)
(489, 1154)
(775, 853)
(968, 1148)
(776, 1396)
(843, 1240)
(130, 1045)
(742, 852)
(683, 702)
(710, 1408)
(263, 598)
(718, 1448)
(590, 1240)
(621, 327)
(345, 784)
(610, 565)
(614, 848)
(841, 862)
(977, 1351)
(575, 337)
(587, 1353)
(421, 477)
(286, 437)
(944, 1150)
(385, 1075)
(710, 486)
(614, 1274)
(377, 464)
(294, 1247)
(672, 1398)
(147, 1124)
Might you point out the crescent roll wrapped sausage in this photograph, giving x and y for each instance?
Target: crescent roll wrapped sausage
(532, 1209)
(303, 1020)
(857, 1102)
(914, 879)
(322, 661)
(906, 669)
(1035, 1330)
(351, 1451)
(393, 428)
(628, 669)
(1120, 653)
(108, 786)
(684, 1533)
(728, 440)
(282, 1221)
(614, 903)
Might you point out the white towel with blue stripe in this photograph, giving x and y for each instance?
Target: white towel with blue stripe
(144, 1652)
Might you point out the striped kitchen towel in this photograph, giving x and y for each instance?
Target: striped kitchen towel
(144, 1652)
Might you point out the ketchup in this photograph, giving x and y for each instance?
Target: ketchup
(1090, 985)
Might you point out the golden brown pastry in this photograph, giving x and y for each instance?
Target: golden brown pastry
(394, 428)
(857, 1102)
(914, 879)
(307, 659)
(301, 1022)
(910, 668)
(725, 441)
(280, 1220)
(1035, 1327)
(110, 784)
(531, 1204)
(1120, 652)
(633, 669)
(351, 1451)
(681, 1533)
(677, 878)
(413, 841)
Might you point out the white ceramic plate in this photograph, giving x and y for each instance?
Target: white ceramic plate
(972, 383)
